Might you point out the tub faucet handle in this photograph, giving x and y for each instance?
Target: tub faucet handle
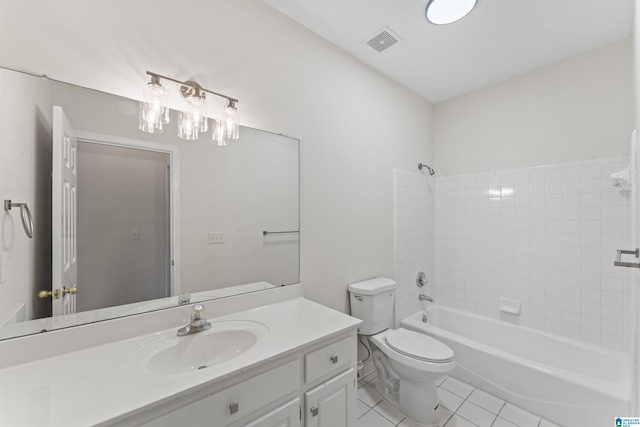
(421, 280)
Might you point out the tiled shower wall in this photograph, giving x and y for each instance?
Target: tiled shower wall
(414, 198)
(545, 236)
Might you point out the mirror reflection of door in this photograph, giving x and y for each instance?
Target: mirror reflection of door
(64, 203)
(123, 225)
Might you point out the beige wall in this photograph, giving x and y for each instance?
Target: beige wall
(578, 109)
(120, 190)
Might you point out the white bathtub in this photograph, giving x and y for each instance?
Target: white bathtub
(563, 380)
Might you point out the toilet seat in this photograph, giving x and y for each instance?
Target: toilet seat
(418, 346)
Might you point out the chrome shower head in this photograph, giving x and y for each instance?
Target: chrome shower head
(429, 168)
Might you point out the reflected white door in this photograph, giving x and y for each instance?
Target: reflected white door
(64, 205)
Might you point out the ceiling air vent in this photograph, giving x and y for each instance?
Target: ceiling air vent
(383, 40)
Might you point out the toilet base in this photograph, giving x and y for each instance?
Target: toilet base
(417, 401)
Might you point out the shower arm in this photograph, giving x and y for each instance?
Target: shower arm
(429, 168)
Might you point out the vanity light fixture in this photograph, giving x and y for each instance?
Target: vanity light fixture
(441, 12)
(192, 120)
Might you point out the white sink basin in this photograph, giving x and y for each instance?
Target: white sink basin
(169, 354)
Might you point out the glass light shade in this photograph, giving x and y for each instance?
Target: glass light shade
(231, 121)
(154, 95)
(153, 113)
(204, 124)
(188, 127)
(148, 119)
(441, 12)
(218, 134)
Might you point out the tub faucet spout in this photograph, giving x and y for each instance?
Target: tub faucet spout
(424, 297)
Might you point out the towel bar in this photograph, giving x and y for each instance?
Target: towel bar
(619, 263)
(25, 215)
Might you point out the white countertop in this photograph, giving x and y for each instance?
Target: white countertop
(94, 385)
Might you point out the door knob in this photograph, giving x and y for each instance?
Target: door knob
(45, 294)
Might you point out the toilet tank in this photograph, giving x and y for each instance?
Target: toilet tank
(372, 301)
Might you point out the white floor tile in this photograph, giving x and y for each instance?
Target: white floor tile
(446, 414)
(501, 422)
(440, 381)
(408, 423)
(389, 412)
(369, 395)
(457, 421)
(547, 423)
(362, 408)
(475, 414)
(374, 419)
(457, 387)
(449, 400)
(486, 401)
(519, 416)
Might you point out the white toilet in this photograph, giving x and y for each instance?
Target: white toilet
(408, 363)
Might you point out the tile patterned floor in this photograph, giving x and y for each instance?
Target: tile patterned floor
(462, 406)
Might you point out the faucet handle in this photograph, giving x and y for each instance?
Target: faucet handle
(196, 314)
(184, 299)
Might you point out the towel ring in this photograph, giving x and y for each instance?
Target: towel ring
(25, 216)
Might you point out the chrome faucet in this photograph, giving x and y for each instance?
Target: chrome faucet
(424, 297)
(197, 324)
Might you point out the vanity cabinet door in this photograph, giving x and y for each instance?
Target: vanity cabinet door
(287, 415)
(332, 403)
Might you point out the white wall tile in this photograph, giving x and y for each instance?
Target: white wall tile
(545, 235)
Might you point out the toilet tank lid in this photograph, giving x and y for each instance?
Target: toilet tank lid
(372, 286)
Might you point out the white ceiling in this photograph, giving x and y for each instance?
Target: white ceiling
(108, 44)
(500, 39)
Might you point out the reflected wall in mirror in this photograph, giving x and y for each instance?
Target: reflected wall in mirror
(146, 229)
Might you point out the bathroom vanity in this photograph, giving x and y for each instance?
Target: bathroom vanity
(271, 358)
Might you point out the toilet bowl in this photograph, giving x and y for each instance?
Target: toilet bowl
(408, 363)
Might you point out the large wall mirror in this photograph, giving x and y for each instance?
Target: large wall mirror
(157, 217)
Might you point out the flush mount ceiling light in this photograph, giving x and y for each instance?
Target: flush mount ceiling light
(192, 120)
(441, 12)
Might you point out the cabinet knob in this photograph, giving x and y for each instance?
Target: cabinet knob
(334, 359)
(314, 412)
(233, 408)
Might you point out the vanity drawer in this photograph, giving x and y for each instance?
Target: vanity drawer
(236, 402)
(329, 359)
